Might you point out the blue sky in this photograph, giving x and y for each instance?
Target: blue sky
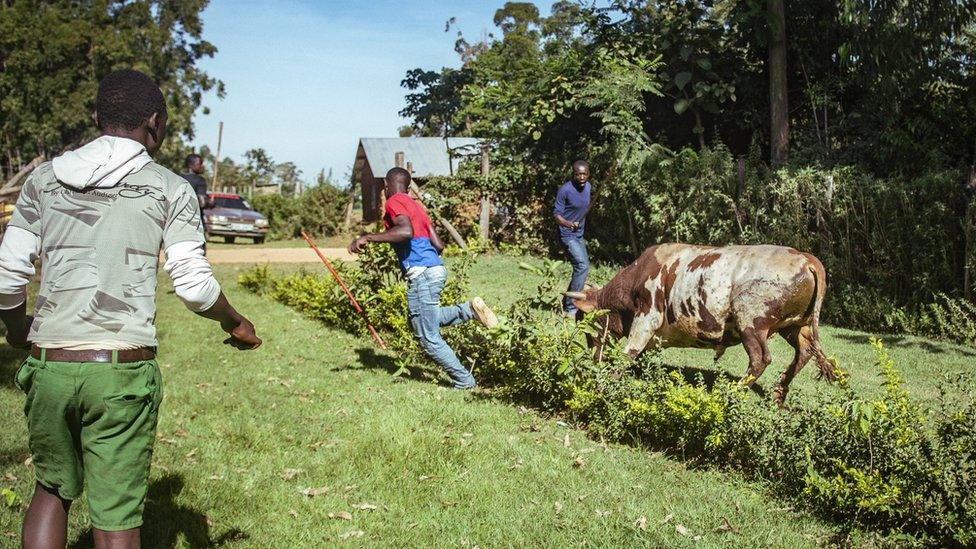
(306, 79)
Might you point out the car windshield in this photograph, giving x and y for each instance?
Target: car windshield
(231, 203)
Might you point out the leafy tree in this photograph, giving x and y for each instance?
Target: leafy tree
(288, 178)
(435, 100)
(53, 54)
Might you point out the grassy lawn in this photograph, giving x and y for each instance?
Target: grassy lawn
(244, 436)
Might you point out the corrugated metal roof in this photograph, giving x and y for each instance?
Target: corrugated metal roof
(428, 155)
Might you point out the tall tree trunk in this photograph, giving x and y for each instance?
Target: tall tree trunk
(779, 130)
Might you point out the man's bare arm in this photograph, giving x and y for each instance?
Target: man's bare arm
(401, 231)
(564, 222)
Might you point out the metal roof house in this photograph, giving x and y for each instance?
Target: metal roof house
(424, 157)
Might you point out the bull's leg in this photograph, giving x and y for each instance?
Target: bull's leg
(801, 340)
(641, 330)
(755, 343)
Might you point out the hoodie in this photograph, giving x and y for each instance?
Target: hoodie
(103, 164)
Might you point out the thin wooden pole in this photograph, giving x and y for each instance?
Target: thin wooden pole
(220, 139)
(352, 298)
(485, 217)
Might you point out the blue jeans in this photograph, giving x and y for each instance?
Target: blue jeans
(576, 247)
(427, 316)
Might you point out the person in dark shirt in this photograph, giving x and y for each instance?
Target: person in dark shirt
(194, 167)
(572, 205)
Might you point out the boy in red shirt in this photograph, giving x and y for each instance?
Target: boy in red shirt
(418, 247)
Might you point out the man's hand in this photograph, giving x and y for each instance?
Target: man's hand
(575, 226)
(242, 336)
(356, 246)
(234, 323)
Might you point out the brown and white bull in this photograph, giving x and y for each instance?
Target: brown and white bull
(682, 295)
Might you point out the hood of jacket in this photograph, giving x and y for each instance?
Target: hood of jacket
(101, 163)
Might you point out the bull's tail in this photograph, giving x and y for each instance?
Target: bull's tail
(827, 368)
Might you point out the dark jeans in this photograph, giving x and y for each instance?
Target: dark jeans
(578, 258)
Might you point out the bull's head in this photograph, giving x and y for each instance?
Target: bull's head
(587, 301)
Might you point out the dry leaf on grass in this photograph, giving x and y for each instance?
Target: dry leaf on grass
(9, 477)
(667, 519)
(579, 462)
(559, 507)
(312, 492)
(641, 524)
(353, 534)
(364, 506)
(682, 530)
(210, 521)
(566, 441)
(293, 513)
(291, 473)
(341, 515)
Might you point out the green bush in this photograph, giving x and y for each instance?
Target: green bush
(319, 211)
(884, 462)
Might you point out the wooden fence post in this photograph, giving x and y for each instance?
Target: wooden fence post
(969, 226)
(485, 197)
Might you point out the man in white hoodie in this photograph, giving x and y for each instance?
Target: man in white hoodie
(97, 218)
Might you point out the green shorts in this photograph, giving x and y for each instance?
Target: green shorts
(94, 423)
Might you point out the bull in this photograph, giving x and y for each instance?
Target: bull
(682, 295)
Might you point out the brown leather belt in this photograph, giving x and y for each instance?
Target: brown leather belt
(97, 355)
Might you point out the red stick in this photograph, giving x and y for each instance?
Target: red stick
(352, 299)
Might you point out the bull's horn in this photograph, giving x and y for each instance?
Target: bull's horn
(575, 295)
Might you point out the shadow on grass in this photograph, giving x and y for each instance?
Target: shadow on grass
(895, 341)
(369, 358)
(166, 521)
(10, 361)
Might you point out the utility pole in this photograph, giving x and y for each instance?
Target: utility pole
(216, 169)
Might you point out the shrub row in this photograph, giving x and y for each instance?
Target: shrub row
(319, 210)
(885, 462)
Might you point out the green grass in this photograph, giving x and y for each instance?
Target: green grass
(442, 468)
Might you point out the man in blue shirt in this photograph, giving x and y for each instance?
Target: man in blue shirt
(572, 205)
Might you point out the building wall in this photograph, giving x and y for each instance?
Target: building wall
(372, 193)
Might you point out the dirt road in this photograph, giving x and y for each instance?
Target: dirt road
(245, 254)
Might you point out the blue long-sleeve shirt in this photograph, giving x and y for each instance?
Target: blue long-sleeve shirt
(572, 204)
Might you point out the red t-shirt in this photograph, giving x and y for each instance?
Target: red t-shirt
(402, 204)
(419, 251)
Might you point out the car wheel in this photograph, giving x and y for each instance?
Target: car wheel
(230, 239)
(259, 240)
